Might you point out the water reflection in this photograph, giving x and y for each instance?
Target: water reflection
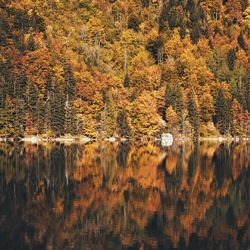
(125, 196)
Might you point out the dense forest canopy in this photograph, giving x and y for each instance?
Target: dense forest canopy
(124, 67)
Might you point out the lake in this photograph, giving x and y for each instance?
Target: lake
(125, 196)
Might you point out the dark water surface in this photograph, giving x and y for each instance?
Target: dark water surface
(125, 196)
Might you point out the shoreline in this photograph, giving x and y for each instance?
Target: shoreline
(37, 139)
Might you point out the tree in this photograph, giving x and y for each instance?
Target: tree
(246, 16)
(134, 23)
(222, 113)
(145, 75)
(144, 117)
(174, 98)
(70, 126)
(234, 11)
(57, 112)
(123, 124)
(37, 22)
(241, 41)
(231, 57)
(69, 81)
(7, 118)
(39, 116)
(32, 106)
(156, 49)
(126, 80)
(218, 64)
(109, 116)
(206, 108)
(19, 123)
(145, 3)
(237, 118)
(246, 92)
(171, 118)
(193, 114)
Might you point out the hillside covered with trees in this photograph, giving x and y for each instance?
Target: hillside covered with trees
(127, 68)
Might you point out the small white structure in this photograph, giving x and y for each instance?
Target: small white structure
(85, 139)
(167, 139)
(32, 139)
(64, 139)
(111, 139)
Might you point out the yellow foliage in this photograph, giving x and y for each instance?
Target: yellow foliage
(171, 118)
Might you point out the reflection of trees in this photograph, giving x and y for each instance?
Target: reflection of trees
(33, 184)
(107, 195)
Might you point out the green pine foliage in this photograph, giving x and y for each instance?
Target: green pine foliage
(193, 114)
(69, 81)
(222, 111)
(109, 116)
(7, 121)
(57, 113)
(70, 126)
(126, 81)
(124, 129)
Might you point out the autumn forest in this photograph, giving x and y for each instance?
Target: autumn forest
(124, 68)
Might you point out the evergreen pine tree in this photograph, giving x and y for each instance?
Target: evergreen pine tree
(4, 122)
(109, 116)
(57, 114)
(126, 80)
(219, 110)
(48, 85)
(145, 3)
(231, 57)
(178, 106)
(241, 41)
(246, 91)
(19, 124)
(123, 126)
(70, 122)
(173, 97)
(32, 98)
(7, 114)
(183, 31)
(30, 43)
(47, 113)
(2, 92)
(69, 81)
(40, 118)
(168, 96)
(134, 23)
(173, 18)
(70, 119)
(222, 112)
(193, 115)
(9, 79)
(48, 103)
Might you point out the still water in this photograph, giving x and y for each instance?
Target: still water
(125, 196)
